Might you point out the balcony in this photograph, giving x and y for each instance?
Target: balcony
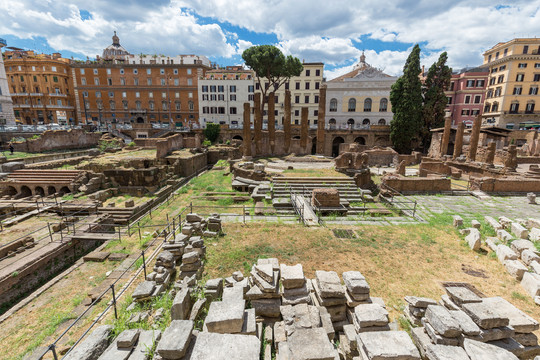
(26, 94)
(55, 94)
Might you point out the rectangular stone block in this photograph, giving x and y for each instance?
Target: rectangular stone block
(493, 223)
(181, 304)
(519, 231)
(371, 315)
(388, 345)
(467, 325)
(505, 253)
(462, 295)
(329, 284)
(213, 346)
(355, 282)
(515, 268)
(292, 276)
(520, 245)
(457, 220)
(444, 352)
(521, 322)
(484, 315)
(225, 317)
(175, 339)
(531, 283)
(311, 344)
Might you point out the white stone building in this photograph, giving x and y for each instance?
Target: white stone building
(7, 116)
(222, 94)
(360, 98)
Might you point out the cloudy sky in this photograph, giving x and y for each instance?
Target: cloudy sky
(334, 32)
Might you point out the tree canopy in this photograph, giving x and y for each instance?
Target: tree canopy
(435, 100)
(406, 99)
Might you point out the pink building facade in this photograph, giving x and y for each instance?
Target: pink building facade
(466, 95)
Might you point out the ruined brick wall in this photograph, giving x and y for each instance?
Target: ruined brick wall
(190, 166)
(171, 143)
(435, 147)
(149, 177)
(223, 153)
(325, 198)
(420, 185)
(146, 143)
(248, 173)
(433, 167)
(59, 140)
(502, 185)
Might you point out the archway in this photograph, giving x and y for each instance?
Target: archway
(25, 191)
(335, 145)
(11, 191)
(332, 121)
(238, 137)
(382, 122)
(350, 122)
(314, 146)
(64, 190)
(140, 120)
(365, 122)
(296, 137)
(39, 191)
(360, 140)
(51, 190)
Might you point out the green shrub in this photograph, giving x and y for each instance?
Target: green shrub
(211, 132)
(206, 143)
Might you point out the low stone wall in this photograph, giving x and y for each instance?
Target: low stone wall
(59, 140)
(528, 159)
(171, 143)
(190, 166)
(59, 156)
(223, 153)
(419, 185)
(151, 177)
(506, 185)
(428, 166)
(146, 143)
(248, 173)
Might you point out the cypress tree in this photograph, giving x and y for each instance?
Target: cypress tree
(406, 99)
(435, 100)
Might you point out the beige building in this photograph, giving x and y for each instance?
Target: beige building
(304, 93)
(512, 89)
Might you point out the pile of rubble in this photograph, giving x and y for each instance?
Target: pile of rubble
(514, 246)
(465, 325)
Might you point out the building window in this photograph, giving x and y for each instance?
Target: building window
(500, 79)
(467, 99)
(232, 88)
(191, 106)
(136, 81)
(367, 105)
(121, 71)
(296, 112)
(135, 71)
(221, 110)
(112, 105)
(317, 84)
(190, 95)
(205, 88)
(533, 90)
(177, 105)
(163, 95)
(233, 97)
(205, 109)
(190, 82)
(517, 90)
(477, 99)
(475, 112)
(111, 94)
(307, 85)
(137, 94)
(83, 81)
(138, 105)
(383, 105)
(333, 105)
(149, 71)
(318, 72)
(213, 97)
(529, 109)
(205, 97)
(492, 81)
(297, 86)
(122, 81)
(306, 99)
(296, 99)
(251, 97)
(96, 81)
(85, 93)
(514, 107)
(151, 105)
(232, 110)
(162, 82)
(480, 83)
(250, 88)
(495, 107)
(525, 49)
(465, 112)
(522, 65)
(470, 83)
(537, 66)
(189, 71)
(149, 81)
(498, 91)
(109, 81)
(125, 104)
(382, 122)
(520, 77)
(448, 100)
(308, 73)
(175, 71)
(486, 107)
(316, 99)
(352, 105)
(95, 71)
(98, 93)
(163, 105)
(55, 78)
(162, 71)
(221, 97)
(124, 94)
(81, 71)
(503, 67)
(212, 88)
(150, 94)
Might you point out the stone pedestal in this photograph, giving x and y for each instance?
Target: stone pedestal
(320, 120)
(258, 123)
(304, 128)
(247, 130)
(446, 136)
(272, 121)
(475, 135)
(458, 145)
(510, 162)
(287, 122)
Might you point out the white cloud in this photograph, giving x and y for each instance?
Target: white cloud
(314, 48)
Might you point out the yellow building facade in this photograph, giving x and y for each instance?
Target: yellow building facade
(512, 95)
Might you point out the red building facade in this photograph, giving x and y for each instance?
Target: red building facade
(466, 95)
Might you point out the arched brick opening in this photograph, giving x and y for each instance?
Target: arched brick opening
(11, 191)
(51, 190)
(64, 190)
(25, 191)
(39, 191)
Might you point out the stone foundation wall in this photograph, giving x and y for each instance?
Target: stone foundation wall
(223, 153)
(506, 185)
(248, 174)
(151, 177)
(171, 143)
(59, 140)
(146, 143)
(419, 185)
(528, 159)
(190, 166)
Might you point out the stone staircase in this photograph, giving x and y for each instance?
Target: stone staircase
(348, 191)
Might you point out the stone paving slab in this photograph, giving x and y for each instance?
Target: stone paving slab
(213, 346)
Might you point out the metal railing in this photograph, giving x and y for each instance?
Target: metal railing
(401, 204)
(36, 128)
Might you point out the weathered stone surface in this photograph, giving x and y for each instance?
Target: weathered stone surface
(263, 284)
(267, 307)
(181, 305)
(444, 352)
(484, 315)
(272, 261)
(498, 333)
(462, 295)
(492, 243)
(329, 284)
(515, 268)
(526, 339)
(93, 346)
(466, 324)
(522, 352)
(521, 244)
(265, 271)
(355, 282)
(420, 339)
(225, 317)
(146, 342)
(505, 253)
(534, 235)
(190, 257)
(481, 351)
(419, 302)
(457, 220)
(143, 290)
(504, 235)
(493, 223)
(192, 218)
(388, 345)
(235, 293)
(368, 315)
(279, 332)
(197, 309)
(474, 239)
(531, 283)
(250, 326)
(128, 338)
(350, 333)
(436, 338)
(521, 322)
(214, 283)
(175, 339)
(505, 222)
(115, 353)
(292, 276)
(519, 231)
(311, 344)
(476, 224)
(212, 346)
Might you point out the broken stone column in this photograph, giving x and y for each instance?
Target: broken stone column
(490, 155)
(258, 123)
(446, 136)
(272, 121)
(304, 129)
(475, 136)
(400, 170)
(287, 122)
(510, 162)
(247, 130)
(458, 145)
(320, 120)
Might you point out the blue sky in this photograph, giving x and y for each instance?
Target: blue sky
(333, 32)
